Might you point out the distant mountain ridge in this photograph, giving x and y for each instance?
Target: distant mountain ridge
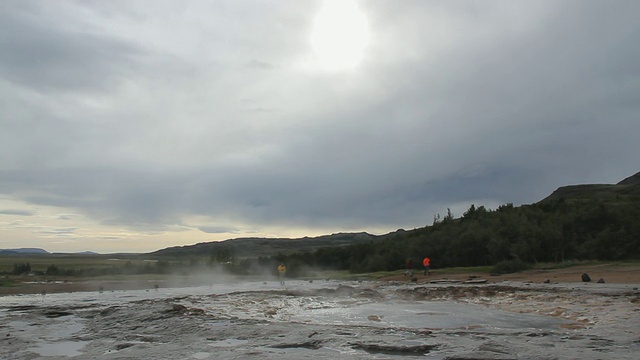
(23, 251)
(77, 253)
(38, 251)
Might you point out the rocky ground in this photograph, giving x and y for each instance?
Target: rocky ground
(504, 319)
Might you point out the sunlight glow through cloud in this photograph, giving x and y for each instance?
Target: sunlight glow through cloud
(340, 35)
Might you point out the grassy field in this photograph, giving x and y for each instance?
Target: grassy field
(83, 262)
(92, 264)
(42, 262)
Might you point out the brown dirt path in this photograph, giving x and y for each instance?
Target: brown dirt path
(611, 273)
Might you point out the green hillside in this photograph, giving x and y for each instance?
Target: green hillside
(583, 222)
(265, 247)
(624, 191)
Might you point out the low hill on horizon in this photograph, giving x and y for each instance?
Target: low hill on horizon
(631, 180)
(256, 247)
(629, 187)
(24, 251)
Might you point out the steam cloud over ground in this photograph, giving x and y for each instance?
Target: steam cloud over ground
(327, 320)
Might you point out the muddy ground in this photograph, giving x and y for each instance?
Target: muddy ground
(610, 273)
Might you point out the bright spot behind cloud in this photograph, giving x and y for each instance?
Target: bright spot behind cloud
(340, 35)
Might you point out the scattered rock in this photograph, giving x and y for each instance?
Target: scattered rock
(196, 311)
(445, 281)
(538, 334)
(489, 351)
(22, 308)
(494, 347)
(56, 313)
(475, 281)
(370, 294)
(315, 344)
(345, 289)
(123, 346)
(178, 308)
(394, 349)
(601, 281)
(374, 318)
(547, 281)
(481, 355)
(586, 278)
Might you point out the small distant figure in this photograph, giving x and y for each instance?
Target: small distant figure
(409, 271)
(281, 271)
(426, 262)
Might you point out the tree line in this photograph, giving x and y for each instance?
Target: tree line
(550, 231)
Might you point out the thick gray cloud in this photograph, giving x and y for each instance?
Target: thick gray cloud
(44, 54)
(145, 114)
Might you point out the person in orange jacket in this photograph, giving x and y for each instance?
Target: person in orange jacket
(281, 271)
(426, 262)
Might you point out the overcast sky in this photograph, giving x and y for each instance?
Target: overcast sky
(137, 125)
